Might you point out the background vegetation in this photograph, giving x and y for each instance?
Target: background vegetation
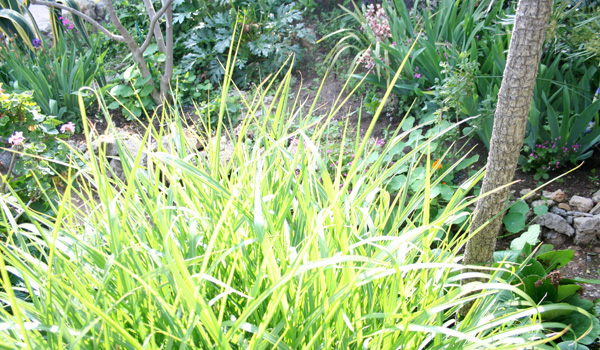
(307, 233)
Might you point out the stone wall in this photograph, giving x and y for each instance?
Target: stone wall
(576, 219)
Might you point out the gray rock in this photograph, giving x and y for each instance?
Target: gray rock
(5, 159)
(558, 211)
(96, 10)
(546, 202)
(595, 210)
(553, 237)
(107, 144)
(558, 196)
(586, 230)
(564, 206)
(570, 220)
(133, 144)
(226, 150)
(596, 197)
(530, 196)
(555, 222)
(581, 203)
(192, 142)
(308, 40)
(579, 214)
(42, 17)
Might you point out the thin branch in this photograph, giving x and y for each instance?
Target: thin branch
(157, 32)
(82, 15)
(159, 14)
(114, 19)
(165, 80)
(136, 52)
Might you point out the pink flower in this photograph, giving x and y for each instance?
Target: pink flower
(16, 139)
(417, 75)
(69, 127)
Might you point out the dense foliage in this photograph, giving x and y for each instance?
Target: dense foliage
(456, 68)
(303, 232)
(53, 72)
(196, 251)
(273, 30)
(35, 157)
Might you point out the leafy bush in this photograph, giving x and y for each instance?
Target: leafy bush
(133, 93)
(36, 154)
(549, 156)
(273, 29)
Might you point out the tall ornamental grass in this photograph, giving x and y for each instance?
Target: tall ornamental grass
(262, 250)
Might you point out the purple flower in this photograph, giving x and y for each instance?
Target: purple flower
(417, 75)
(69, 127)
(16, 139)
(36, 42)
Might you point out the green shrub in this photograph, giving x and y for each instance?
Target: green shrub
(457, 65)
(273, 30)
(37, 155)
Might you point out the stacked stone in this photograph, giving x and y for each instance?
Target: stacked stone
(577, 219)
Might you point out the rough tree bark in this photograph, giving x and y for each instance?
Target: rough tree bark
(510, 120)
(137, 51)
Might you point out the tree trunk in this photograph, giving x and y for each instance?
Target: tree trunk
(510, 121)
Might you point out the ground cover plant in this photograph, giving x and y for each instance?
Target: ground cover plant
(261, 250)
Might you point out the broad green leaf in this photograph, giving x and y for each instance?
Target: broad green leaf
(151, 49)
(531, 236)
(514, 223)
(519, 207)
(122, 90)
(566, 291)
(555, 259)
(540, 210)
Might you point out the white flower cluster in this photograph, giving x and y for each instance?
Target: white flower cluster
(378, 21)
(367, 59)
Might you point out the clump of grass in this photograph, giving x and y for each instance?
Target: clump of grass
(200, 252)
